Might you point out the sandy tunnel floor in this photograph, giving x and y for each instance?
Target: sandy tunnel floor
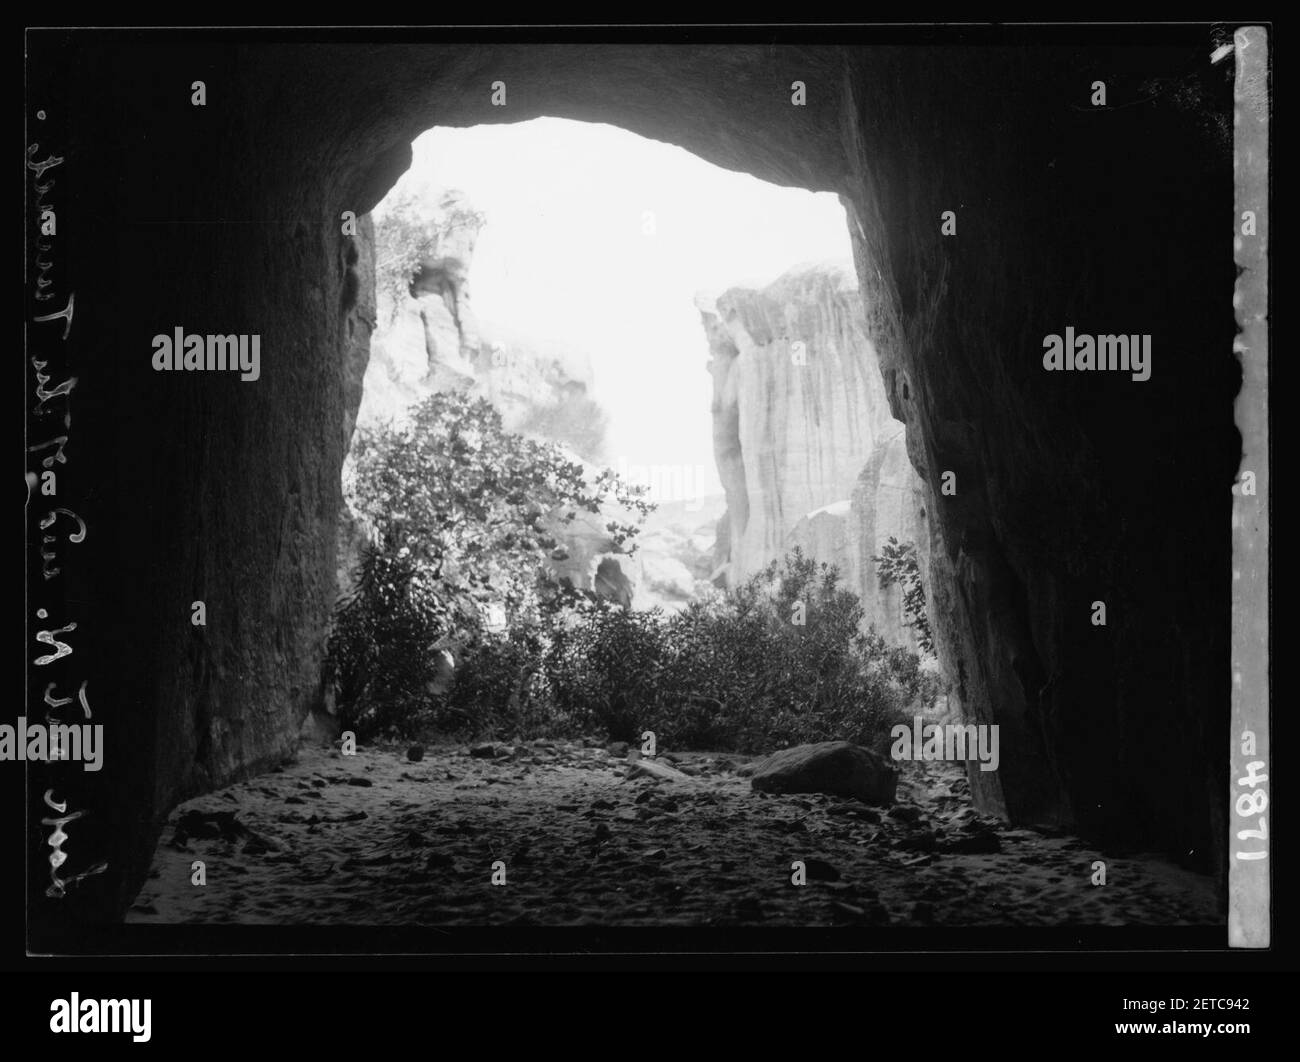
(375, 839)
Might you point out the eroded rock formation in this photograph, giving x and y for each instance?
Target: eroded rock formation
(807, 449)
(1071, 488)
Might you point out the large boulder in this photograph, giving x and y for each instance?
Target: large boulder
(837, 767)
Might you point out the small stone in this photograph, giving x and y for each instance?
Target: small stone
(415, 753)
(617, 748)
(653, 769)
(603, 832)
(483, 752)
(365, 782)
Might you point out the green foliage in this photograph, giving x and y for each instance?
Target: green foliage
(733, 673)
(897, 564)
(407, 232)
(464, 514)
(601, 663)
(381, 645)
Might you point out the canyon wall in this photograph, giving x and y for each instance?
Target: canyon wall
(227, 219)
(429, 340)
(807, 450)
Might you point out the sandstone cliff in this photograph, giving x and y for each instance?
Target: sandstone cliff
(807, 450)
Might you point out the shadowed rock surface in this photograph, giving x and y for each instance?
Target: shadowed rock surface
(834, 767)
(1071, 488)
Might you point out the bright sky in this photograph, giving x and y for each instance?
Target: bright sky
(597, 241)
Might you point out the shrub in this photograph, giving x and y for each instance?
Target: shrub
(897, 564)
(463, 513)
(739, 672)
(380, 648)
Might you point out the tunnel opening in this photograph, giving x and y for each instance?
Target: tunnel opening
(1084, 490)
(682, 351)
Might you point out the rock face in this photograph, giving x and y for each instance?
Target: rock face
(428, 341)
(1069, 488)
(807, 449)
(836, 767)
(676, 548)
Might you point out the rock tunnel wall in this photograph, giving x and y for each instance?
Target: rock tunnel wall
(226, 219)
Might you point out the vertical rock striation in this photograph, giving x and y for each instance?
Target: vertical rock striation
(807, 450)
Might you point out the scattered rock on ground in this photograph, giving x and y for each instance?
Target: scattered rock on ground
(837, 767)
(653, 769)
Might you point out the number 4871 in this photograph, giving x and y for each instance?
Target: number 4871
(1253, 803)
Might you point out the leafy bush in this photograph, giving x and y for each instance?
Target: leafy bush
(464, 514)
(897, 564)
(775, 662)
(495, 690)
(603, 664)
(381, 646)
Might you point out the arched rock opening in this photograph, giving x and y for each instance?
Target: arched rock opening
(227, 219)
